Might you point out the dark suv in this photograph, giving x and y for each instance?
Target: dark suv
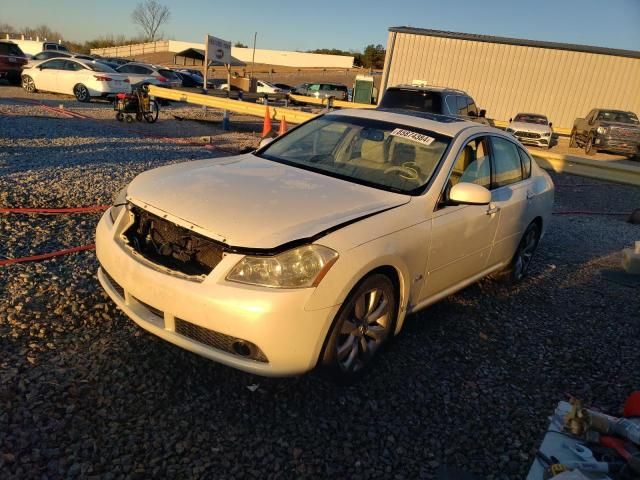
(12, 61)
(439, 100)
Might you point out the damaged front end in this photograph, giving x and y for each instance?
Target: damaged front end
(169, 245)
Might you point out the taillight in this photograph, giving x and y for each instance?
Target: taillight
(126, 80)
(162, 79)
(103, 78)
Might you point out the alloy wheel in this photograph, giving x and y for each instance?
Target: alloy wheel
(525, 253)
(28, 84)
(364, 330)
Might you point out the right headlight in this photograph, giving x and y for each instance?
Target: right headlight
(601, 130)
(119, 202)
(300, 267)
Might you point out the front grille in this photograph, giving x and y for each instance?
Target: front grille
(527, 134)
(116, 286)
(625, 133)
(217, 340)
(165, 243)
(154, 310)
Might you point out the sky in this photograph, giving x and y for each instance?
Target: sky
(343, 24)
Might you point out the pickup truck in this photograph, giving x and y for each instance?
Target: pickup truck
(614, 131)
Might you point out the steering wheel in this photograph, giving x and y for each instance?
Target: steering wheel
(408, 171)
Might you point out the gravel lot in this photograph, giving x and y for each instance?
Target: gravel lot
(84, 393)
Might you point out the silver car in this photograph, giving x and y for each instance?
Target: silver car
(531, 129)
(148, 74)
(322, 90)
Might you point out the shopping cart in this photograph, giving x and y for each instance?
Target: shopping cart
(137, 104)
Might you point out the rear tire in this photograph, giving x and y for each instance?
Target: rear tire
(361, 328)
(572, 139)
(14, 78)
(28, 84)
(519, 266)
(120, 116)
(154, 111)
(82, 93)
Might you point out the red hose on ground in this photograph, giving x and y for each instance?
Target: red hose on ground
(45, 256)
(94, 208)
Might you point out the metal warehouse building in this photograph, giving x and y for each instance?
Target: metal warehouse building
(507, 75)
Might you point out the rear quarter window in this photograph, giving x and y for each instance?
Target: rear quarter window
(10, 49)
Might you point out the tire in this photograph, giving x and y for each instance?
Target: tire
(361, 329)
(130, 119)
(573, 143)
(28, 84)
(120, 116)
(519, 266)
(152, 116)
(82, 93)
(14, 78)
(589, 149)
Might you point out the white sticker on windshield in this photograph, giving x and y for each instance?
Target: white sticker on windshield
(416, 137)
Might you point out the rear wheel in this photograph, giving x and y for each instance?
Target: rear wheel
(362, 327)
(589, 148)
(519, 266)
(82, 93)
(572, 139)
(28, 84)
(14, 78)
(154, 111)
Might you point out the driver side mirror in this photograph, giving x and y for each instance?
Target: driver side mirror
(510, 120)
(483, 113)
(465, 193)
(550, 124)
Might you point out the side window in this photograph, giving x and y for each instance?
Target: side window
(125, 69)
(55, 64)
(73, 66)
(472, 165)
(526, 163)
(452, 106)
(473, 109)
(506, 162)
(461, 103)
(314, 87)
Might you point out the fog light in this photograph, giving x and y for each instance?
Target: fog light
(241, 348)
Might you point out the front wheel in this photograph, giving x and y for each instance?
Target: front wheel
(589, 149)
(28, 84)
(362, 327)
(519, 266)
(572, 139)
(82, 93)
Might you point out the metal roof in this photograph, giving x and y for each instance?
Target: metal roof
(517, 41)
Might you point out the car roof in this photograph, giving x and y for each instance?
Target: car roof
(427, 88)
(442, 124)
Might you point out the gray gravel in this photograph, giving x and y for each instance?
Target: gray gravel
(84, 393)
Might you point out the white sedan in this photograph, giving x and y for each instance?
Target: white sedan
(313, 249)
(72, 76)
(531, 129)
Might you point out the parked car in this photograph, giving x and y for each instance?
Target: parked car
(12, 61)
(430, 99)
(148, 74)
(72, 76)
(188, 80)
(32, 47)
(615, 131)
(322, 241)
(191, 71)
(47, 54)
(531, 129)
(119, 61)
(283, 87)
(322, 90)
(266, 87)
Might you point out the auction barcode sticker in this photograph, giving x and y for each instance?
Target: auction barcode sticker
(416, 137)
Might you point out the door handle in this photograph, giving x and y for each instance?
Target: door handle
(493, 209)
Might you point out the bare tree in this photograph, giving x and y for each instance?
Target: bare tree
(150, 15)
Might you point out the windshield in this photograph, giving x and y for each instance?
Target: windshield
(621, 117)
(529, 118)
(409, 99)
(383, 155)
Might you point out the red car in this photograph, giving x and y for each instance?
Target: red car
(12, 61)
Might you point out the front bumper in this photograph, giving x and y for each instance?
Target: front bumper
(276, 321)
(539, 142)
(617, 145)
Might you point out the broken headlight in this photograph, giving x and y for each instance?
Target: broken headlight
(119, 202)
(297, 268)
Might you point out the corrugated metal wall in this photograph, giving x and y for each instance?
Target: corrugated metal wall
(507, 79)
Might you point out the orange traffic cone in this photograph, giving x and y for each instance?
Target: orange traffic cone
(283, 126)
(266, 129)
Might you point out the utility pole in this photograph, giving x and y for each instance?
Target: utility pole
(253, 59)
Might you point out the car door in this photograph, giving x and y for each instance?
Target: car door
(462, 235)
(69, 76)
(511, 191)
(47, 78)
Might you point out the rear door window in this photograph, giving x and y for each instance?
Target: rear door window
(72, 66)
(55, 64)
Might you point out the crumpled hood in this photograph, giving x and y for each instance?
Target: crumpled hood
(246, 201)
(529, 127)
